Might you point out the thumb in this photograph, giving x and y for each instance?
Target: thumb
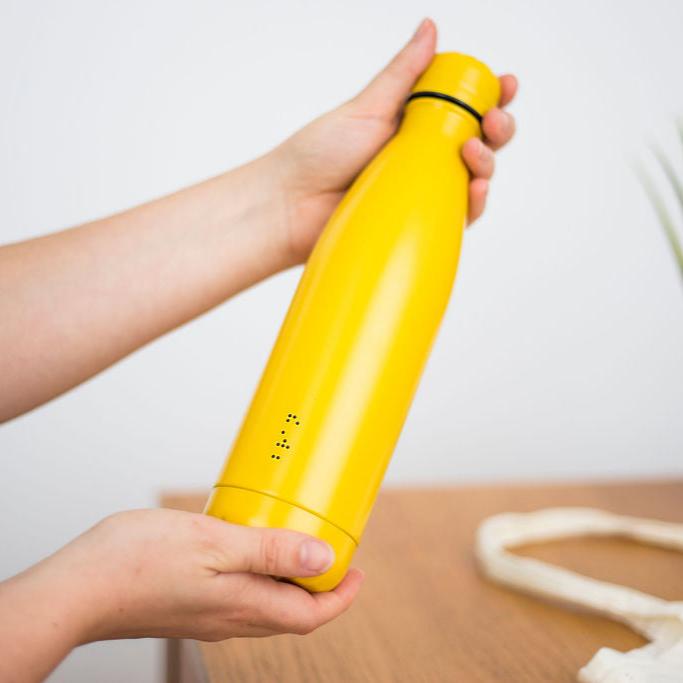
(278, 552)
(386, 93)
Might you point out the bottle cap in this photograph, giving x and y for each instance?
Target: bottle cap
(461, 78)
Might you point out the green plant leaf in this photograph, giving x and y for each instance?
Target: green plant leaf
(663, 215)
(670, 173)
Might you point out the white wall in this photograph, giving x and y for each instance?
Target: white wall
(560, 355)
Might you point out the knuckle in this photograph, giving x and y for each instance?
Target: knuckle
(509, 126)
(304, 626)
(113, 523)
(110, 521)
(270, 553)
(215, 636)
(291, 619)
(203, 533)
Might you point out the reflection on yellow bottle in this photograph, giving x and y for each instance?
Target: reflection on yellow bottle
(322, 426)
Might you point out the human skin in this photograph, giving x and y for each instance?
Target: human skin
(74, 302)
(164, 574)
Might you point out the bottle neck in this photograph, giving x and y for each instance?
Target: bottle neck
(435, 118)
(435, 95)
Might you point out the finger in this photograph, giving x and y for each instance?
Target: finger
(479, 158)
(479, 188)
(385, 95)
(277, 552)
(508, 89)
(285, 608)
(498, 127)
(332, 603)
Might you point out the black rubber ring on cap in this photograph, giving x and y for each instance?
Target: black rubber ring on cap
(447, 98)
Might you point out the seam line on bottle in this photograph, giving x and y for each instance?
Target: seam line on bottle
(288, 502)
(448, 98)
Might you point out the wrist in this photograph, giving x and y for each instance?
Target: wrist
(290, 202)
(65, 595)
(42, 618)
(264, 209)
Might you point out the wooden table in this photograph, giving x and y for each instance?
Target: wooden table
(425, 614)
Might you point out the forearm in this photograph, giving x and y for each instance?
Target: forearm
(40, 624)
(74, 302)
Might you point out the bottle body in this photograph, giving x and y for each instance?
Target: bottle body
(319, 434)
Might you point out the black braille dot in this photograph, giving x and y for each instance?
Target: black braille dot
(278, 443)
(290, 415)
(277, 456)
(296, 423)
(286, 446)
(272, 456)
(287, 420)
(282, 432)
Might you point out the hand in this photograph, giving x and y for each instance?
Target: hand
(163, 573)
(319, 162)
(134, 276)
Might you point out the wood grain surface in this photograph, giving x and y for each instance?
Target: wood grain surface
(424, 612)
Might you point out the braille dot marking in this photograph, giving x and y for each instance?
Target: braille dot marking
(296, 423)
(282, 432)
(277, 456)
(286, 446)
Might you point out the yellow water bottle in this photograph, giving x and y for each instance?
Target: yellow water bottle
(323, 423)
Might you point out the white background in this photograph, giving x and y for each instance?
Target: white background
(560, 356)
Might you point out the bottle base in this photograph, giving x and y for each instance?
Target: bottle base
(256, 509)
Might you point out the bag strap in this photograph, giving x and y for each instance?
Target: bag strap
(653, 617)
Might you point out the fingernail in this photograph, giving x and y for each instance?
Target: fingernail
(420, 30)
(316, 556)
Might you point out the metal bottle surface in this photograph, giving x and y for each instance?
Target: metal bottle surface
(313, 448)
